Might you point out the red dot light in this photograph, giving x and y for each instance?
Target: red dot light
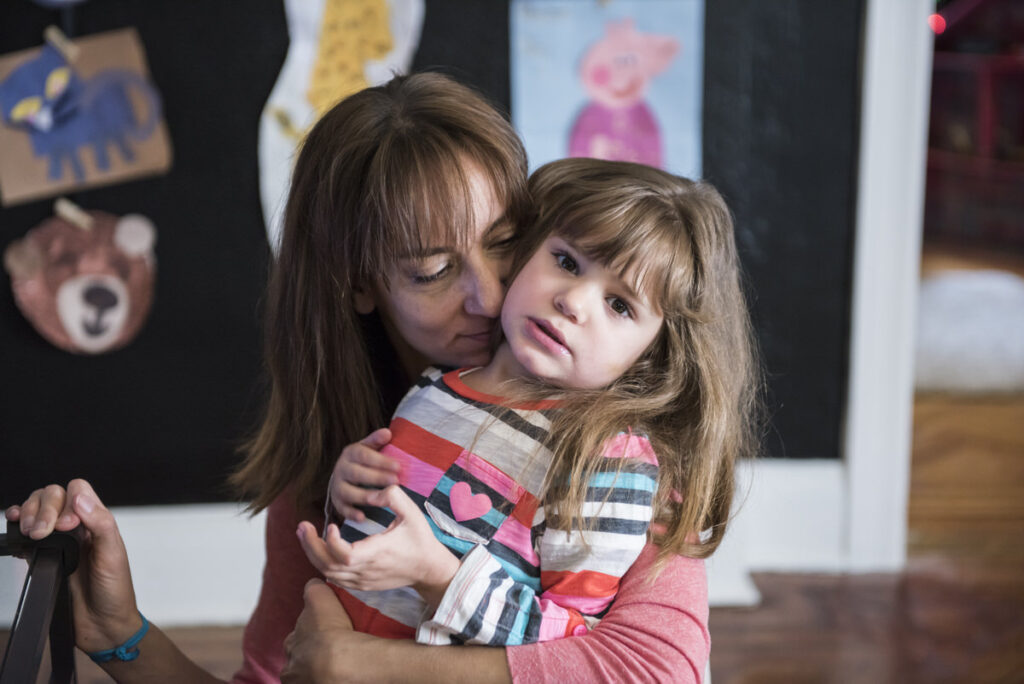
(937, 23)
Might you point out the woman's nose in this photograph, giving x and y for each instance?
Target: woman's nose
(486, 292)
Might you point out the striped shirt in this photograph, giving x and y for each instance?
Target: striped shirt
(476, 469)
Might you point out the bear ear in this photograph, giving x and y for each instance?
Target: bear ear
(135, 235)
(22, 259)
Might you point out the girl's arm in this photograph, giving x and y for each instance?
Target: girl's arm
(493, 602)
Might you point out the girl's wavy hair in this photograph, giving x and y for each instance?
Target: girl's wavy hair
(380, 173)
(695, 391)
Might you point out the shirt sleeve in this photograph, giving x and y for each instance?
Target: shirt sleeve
(284, 577)
(655, 631)
(580, 570)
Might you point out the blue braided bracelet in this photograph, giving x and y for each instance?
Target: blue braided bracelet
(125, 651)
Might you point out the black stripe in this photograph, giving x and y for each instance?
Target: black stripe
(619, 495)
(475, 622)
(512, 418)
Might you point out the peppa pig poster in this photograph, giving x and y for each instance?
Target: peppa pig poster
(613, 79)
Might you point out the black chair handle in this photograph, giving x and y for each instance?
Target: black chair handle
(44, 607)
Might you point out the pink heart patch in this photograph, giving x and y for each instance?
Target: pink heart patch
(466, 505)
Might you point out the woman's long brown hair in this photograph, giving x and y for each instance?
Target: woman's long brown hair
(377, 175)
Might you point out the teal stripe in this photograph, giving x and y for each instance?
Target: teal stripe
(623, 481)
(518, 631)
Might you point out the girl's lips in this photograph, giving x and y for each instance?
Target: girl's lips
(546, 336)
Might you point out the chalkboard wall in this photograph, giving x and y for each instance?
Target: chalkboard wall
(160, 420)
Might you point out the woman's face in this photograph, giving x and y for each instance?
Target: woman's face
(442, 306)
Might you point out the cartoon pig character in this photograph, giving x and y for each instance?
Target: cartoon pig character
(617, 124)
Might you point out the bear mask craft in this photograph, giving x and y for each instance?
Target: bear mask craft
(83, 279)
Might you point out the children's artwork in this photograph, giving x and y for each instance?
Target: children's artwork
(613, 79)
(336, 47)
(85, 279)
(78, 114)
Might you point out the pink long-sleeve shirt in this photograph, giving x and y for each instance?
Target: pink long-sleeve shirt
(655, 630)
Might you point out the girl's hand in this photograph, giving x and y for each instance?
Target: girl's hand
(405, 554)
(361, 465)
(102, 595)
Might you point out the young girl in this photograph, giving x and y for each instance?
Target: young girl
(625, 335)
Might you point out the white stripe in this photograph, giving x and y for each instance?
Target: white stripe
(402, 605)
(611, 509)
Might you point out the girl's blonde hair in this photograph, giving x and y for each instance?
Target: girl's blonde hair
(694, 391)
(380, 173)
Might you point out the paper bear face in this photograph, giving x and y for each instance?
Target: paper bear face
(86, 290)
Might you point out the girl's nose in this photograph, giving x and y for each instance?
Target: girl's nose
(570, 303)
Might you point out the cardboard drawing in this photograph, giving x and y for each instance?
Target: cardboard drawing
(78, 114)
(612, 79)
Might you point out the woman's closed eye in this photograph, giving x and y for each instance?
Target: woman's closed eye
(430, 271)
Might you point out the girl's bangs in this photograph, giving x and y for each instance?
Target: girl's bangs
(648, 251)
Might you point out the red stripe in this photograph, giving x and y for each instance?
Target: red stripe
(428, 447)
(582, 583)
(370, 620)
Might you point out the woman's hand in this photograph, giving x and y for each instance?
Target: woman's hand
(318, 647)
(405, 554)
(102, 595)
(361, 465)
(324, 649)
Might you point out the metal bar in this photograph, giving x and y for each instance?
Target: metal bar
(62, 639)
(33, 617)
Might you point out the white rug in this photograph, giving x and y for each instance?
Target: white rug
(970, 332)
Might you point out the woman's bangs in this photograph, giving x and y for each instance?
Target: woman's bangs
(423, 200)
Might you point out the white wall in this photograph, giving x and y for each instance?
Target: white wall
(201, 564)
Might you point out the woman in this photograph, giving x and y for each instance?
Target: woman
(404, 201)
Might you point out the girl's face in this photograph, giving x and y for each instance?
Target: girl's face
(441, 306)
(573, 322)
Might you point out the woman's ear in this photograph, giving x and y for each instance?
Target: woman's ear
(363, 300)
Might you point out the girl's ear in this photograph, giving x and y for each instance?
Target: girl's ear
(363, 300)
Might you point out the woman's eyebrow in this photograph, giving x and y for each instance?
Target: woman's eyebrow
(500, 222)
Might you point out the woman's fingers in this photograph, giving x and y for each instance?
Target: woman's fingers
(41, 510)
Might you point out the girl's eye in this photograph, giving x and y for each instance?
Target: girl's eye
(433, 276)
(566, 262)
(620, 307)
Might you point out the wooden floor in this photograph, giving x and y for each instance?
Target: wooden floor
(955, 615)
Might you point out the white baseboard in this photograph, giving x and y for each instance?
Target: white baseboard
(192, 565)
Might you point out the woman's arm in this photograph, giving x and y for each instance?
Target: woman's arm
(323, 649)
(103, 598)
(655, 631)
(285, 573)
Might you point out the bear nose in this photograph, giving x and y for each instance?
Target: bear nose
(100, 297)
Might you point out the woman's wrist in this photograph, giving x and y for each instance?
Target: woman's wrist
(111, 632)
(126, 650)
